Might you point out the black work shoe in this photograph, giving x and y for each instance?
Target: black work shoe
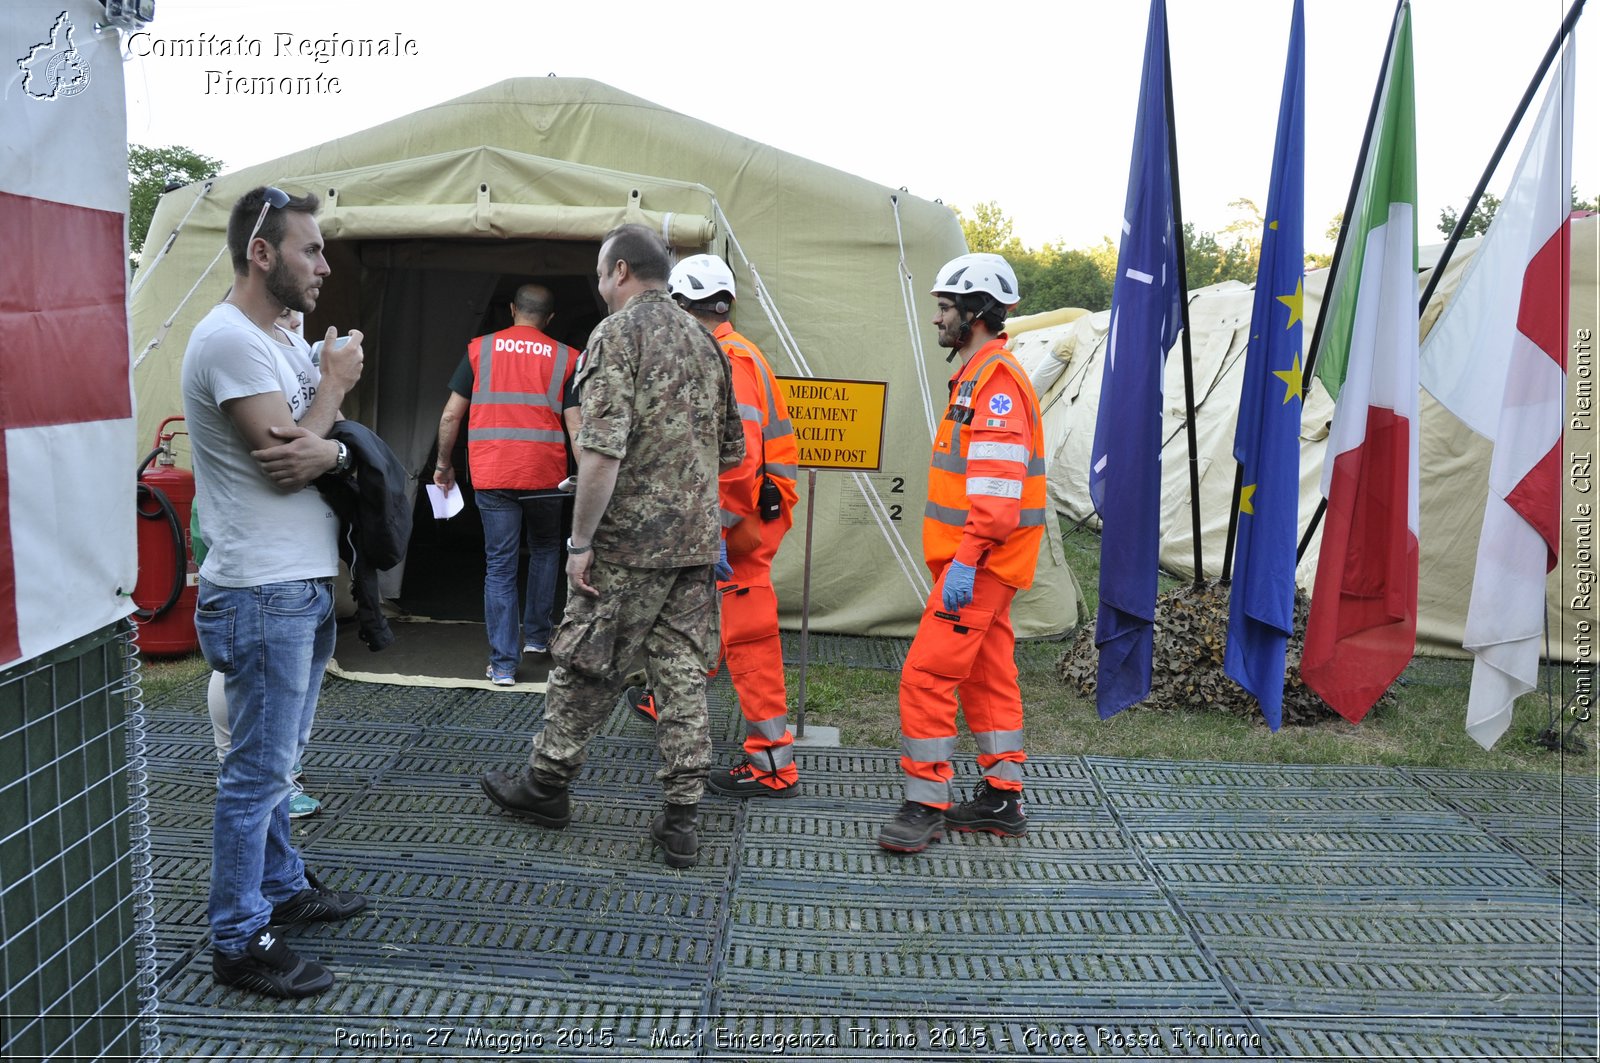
(642, 702)
(990, 809)
(270, 967)
(317, 904)
(742, 780)
(912, 828)
(526, 796)
(674, 831)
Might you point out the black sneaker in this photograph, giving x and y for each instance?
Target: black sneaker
(270, 967)
(990, 809)
(912, 828)
(642, 702)
(742, 780)
(317, 904)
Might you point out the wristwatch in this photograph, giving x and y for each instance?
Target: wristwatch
(342, 463)
(574, 549)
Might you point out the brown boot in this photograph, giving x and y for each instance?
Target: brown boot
(674, 831)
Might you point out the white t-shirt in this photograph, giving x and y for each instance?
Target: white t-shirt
(254, 532)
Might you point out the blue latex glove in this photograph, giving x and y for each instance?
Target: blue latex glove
(958, 585)
(724, 570)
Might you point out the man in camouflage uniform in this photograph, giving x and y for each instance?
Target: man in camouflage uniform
(659, 425)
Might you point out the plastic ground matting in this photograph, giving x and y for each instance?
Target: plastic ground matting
(850, 650)
(1156, 910)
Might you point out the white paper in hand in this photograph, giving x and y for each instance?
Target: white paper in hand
(446, 504)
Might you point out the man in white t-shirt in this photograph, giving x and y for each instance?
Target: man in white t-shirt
(301, 804)
(258, 410)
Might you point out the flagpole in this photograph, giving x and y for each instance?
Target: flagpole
(1308, 371)
(1500, 149)
(1233, 518)
(1183, 289)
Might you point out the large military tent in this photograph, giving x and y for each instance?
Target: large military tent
(1065, 361)
(431, 220)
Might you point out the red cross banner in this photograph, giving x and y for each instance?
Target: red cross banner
(67, 449)
(1497, 359)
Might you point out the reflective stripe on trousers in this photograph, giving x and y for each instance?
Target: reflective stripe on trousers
(754, 657)
(989, 697)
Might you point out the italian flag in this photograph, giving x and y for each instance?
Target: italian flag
(1363, 625)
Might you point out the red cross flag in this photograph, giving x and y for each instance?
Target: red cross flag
(67, 447)
(1497, 359)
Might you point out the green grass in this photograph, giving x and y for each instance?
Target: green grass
(160, 676)
(1424, 727)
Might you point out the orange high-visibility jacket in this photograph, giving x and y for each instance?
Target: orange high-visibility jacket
(986, 484)
(769, 444)
(514, 436)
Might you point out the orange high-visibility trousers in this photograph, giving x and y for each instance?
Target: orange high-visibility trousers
(971, 653)
(753, 651)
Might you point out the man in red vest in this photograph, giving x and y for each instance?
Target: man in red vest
(518, 385)
(980, 536)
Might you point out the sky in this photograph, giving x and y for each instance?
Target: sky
(1030, 106)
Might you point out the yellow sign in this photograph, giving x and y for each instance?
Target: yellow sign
(838, 424)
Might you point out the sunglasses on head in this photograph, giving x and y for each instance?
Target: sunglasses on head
(273, 197)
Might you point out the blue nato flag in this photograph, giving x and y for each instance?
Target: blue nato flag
(1125, 465)
(1267, 441)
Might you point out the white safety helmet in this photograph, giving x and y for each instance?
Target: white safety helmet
(979, 272)
(700, 277)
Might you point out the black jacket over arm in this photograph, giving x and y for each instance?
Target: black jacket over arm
(374, 521)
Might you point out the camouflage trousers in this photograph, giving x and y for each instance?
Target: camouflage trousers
(669, 616)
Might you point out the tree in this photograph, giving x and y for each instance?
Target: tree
(1478, 224)
(1202, 256)
(150, 172)
(1049, 277)
(1052, 278)
(990, 230)
(1324, 259)
(1484, 214)
(1243, 236)
(1104, 257)
(1234, 257)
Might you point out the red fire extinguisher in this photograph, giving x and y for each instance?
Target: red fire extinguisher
(168, 579)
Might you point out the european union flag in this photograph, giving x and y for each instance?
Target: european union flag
(1267, 441)
(1125, 465)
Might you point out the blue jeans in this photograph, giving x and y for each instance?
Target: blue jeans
(271, 643)
(507, 520)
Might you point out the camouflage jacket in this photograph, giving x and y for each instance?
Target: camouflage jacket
(658, 396)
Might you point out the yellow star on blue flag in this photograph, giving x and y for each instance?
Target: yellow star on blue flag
(1266, 442)
(1296, 302)
(1293, 379)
